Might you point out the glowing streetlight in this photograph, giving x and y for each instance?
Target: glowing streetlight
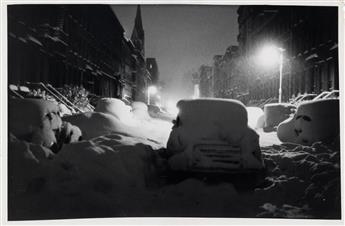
(269, 56)
(150, 90)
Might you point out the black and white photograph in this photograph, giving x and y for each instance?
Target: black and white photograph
(173, 111)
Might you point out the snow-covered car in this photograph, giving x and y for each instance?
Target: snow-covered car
(314, 121)
(212, 135)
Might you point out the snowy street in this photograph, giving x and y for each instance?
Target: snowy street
(123, 173)
(192, 110)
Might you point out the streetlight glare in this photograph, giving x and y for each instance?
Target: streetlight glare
(152, 89)
(268, 56)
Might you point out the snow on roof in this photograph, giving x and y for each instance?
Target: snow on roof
(198, 110)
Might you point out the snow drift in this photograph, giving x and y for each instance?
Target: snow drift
(117, 175)
(122, 171)
(255, 117)
(117, 108)
(38, 121)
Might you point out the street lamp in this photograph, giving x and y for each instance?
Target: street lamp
(150, 90)
(268, 57)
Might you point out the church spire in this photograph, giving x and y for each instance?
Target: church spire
(138, 37)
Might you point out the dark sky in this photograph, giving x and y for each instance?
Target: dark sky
(182, 37)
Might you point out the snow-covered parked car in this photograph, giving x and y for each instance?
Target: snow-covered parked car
(212, 135)
(314, 121)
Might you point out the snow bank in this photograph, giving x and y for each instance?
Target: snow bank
(117, 108)
(276, 113)
(115, 175)
(34, 120)
(307, 178)
(38, 121)
(313, 121)
(81, 178)
(94, 124)
(118, 174)
(255, 117)
(140, 111)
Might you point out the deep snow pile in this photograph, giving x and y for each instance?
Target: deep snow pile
(38, 121)
(88, 176)
(94, 124)
(255, 117)
(34, 120)
(305, 177)
(117, 108)
(121, 170)
(117, 175)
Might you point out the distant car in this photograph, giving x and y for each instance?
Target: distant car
(158, 112)
(154, 108)
(212, 136)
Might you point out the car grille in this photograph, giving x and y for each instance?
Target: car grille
(217, 157)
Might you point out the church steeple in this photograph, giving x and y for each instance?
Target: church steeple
(138, 36)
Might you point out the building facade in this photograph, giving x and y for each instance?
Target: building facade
(142, 75)
(71, 44)
(309, 36)
(224, 78)
(152, 67)
(205, 81)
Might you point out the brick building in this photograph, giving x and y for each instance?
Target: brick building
(71, 44)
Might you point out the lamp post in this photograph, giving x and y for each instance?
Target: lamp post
(281, 50)
(268, 57)
(150, 90)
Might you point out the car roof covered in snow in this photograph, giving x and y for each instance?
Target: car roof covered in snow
(199, 110)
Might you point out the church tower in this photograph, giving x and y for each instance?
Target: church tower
(138, 33)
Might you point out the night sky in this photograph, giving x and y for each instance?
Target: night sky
(182, 37)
